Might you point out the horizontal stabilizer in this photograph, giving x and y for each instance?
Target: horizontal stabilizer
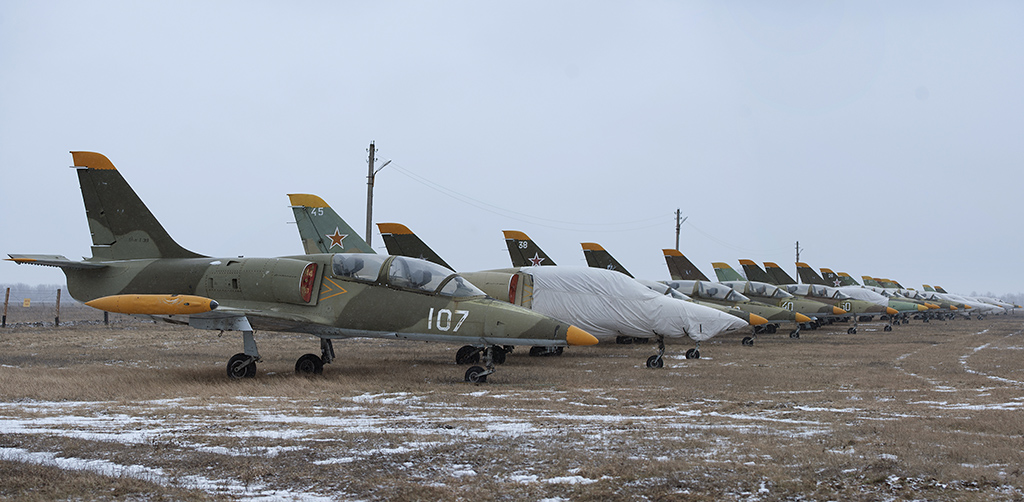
(51, 260)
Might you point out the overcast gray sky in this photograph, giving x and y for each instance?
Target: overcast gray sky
(885, 136)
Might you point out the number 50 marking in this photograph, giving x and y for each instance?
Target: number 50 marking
(444, 319)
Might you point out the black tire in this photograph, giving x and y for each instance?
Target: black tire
(655, 361)
(851, 331)
(498, 355)
(309, 364)
(237, 367)
(748, 341)
(887, 328)
(473, 375)
(537, 351)
(693, 354)
(794, 334)
(467, 354)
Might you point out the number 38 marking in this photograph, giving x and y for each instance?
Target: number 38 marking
(444, 319)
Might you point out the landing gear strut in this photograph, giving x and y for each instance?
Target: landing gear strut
(658, 360)
(243, 364)
(477, 374)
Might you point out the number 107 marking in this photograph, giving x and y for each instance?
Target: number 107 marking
(444, 319)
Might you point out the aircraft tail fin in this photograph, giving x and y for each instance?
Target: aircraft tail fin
(523, 251)
(726, 273)
(122, 226)
(847, 279)
(755, 273)
(870, 281)
(808, 275)
(780, 276)
(598, 257)
(680, 268)
(402, 242)
(321, 229)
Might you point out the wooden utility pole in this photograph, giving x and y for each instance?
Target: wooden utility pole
(678, 224)
(798, 261)
(369, 194)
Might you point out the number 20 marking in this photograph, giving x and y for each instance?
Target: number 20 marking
(444, 319)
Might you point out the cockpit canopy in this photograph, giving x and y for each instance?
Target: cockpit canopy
(402, 272)
(817, 291)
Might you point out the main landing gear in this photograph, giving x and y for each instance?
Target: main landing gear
(469, 354)
(312, 364)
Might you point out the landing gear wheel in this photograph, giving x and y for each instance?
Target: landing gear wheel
(241, 366)
(498, 355)
(851, 331)
(887, 328)
(310, 364)
(655, 361)
(748, 341)
(693, 354)
(794, 334)
(467, 354)
(475, 375)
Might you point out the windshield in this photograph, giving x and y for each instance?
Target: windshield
(412, 273)
(459, 287)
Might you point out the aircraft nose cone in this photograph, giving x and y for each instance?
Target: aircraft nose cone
(576, 336)
(838, 311)
(802, 318)
(756, 320)
(891, 311)
(922, 308)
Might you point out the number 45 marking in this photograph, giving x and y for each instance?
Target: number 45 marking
(444, 319)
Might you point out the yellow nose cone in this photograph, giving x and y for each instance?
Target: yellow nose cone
(756, 320)
(968, 307)
(891, 311)
(576, 336)
(802, 318)
(952, 307)
(922, 308)
(838, 311)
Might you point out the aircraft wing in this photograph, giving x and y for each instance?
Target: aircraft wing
(52, 260)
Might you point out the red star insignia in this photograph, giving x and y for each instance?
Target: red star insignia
(337, 238)
(536, 259)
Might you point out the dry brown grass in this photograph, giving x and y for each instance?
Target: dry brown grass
(929, 411)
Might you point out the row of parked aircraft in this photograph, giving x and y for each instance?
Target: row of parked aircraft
(341, 289)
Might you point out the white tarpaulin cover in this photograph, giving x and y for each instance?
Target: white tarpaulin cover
(607, 304)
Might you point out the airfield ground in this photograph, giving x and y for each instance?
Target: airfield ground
(143, 411)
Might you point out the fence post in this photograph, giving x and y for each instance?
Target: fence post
(106, 319)
(7, 297)
(56, 319)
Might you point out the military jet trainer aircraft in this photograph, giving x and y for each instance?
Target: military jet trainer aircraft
(136, 268)
(860, 310)
(607, 304)
(555, 291)
(902, 305)
(711, 294)
(682, 269)
(598, 257)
